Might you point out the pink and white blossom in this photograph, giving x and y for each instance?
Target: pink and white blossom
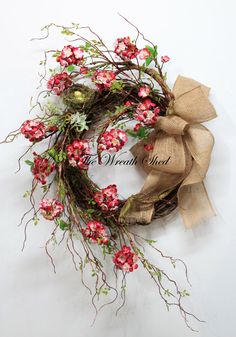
(125, 259)
(96, 232)
(144, 91)
(107, 198)
(51, 208)
(112, 140)
(42, 168)
(78, 152)
(33, 130)
(143, 54)
(165, 59)
(59, 82)
(125, 48)
(147, 112)
(70, 55)
(103, 79)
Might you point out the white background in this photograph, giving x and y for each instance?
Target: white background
(199, 36)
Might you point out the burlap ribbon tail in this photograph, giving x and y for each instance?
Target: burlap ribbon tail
(182, 148)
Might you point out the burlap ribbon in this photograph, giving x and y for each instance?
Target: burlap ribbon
(180, 158)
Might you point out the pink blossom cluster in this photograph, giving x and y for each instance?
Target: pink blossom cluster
(125, 48)
(128, 50)
(103, 79)
(78, 152)
(59, 82)
(42, 168)
(107, 198)
(70, 55)
(51, 208)
(147, 112)
(95, 232)
(112, 140)
(33, 130)
(125, 259)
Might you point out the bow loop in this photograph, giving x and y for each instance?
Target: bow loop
(172, 124)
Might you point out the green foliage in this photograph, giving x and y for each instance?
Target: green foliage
(26, 194)
(117, 86)
(87, 46)
(52, 108)
(94, 273)
(30, 163)
(56, 54)
(91, 202)
(150, 242)
(35, 220)
(142, 132)
(62, 224)
(61, 190)
(168, 293)
(70, 68)
(121, 125)
(153, 56)
(67, 32)
(59, 157)
(45, 188)
(78, 120)
(184, 293)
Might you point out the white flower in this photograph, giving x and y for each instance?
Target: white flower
(78, 120)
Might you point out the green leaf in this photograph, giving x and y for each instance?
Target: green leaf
(153, 56)
(142, 132)
(62, 224)
(52, 153)
(67, 32)
(29, 162)
(152, 50)
(35, 220)
(117, 86)
(148, 61)
(58, 53)
(26, 194)
(70, 68)
(151, 241)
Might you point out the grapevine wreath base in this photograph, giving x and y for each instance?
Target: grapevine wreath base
(92, 99)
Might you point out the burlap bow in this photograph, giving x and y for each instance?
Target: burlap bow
(180, 157)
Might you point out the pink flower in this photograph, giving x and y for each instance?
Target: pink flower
(112, 140)
(52, 128)
(107, 198)
(148, 147)
(137, 126)
(143, 54)
(42, 168)
(59, 82)
(129, 103)
(78, 152)
(33, 130)
(95, 232)
(125, 259)
(84, 70)
(51, 208)
(125, 48)
(165, 59)
(144, 91)
(147, 112)
(103, 79)
(70, 55)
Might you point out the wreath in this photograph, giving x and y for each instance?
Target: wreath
(95, 99)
